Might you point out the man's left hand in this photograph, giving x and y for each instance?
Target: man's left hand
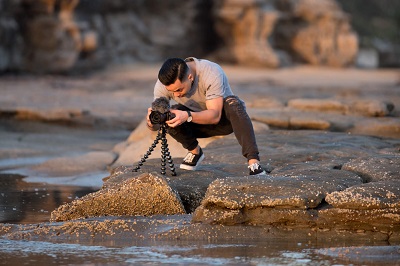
(179, 119)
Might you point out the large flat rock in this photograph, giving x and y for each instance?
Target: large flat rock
(249, 200)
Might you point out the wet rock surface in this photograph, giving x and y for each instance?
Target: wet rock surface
(146, 194)
(310, 188)
(307, 190)
(315, 174)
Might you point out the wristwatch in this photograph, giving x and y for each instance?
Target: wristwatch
(190, 117)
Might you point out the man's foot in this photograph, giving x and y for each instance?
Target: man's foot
(191, 161)
(256, 169)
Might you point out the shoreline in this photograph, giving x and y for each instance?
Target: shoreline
(82, 128)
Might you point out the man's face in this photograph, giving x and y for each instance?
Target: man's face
(178, 88)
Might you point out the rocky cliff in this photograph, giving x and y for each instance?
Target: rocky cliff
(56, 36)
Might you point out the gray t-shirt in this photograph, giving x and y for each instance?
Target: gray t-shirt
(210, 83)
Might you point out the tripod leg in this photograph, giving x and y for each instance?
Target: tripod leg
(166, 155)
(163, 148)
(148, 153)
(171, 163)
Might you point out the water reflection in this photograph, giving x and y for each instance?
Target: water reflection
(174, 253)
(22, 202)
(268, 252)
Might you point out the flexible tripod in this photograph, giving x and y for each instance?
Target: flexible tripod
(165, 155)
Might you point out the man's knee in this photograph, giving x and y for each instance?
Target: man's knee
(234, 104)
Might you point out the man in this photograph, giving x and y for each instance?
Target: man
(206, 107)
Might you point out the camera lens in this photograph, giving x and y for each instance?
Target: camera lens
(157, 117)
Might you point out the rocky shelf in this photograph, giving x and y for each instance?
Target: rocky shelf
(320, 185)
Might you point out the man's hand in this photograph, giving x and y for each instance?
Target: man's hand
(149, 124)
(179, 119)
(210, 116)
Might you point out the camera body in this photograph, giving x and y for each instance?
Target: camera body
(160, 111)
(157, 117)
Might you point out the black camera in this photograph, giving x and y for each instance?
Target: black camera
(157, 117)
(160, 111)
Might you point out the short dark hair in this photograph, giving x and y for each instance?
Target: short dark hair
(171, 70)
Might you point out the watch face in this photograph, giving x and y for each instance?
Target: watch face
(189, 116)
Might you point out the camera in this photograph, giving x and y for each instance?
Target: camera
(157, 117)
(160, 111)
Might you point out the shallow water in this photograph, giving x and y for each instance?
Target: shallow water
(44, 253)
(283, 252)
(27, 203)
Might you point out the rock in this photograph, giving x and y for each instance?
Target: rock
(373, 169)
(146, 194)
(244, 27)
(287, 118)
(367, 58)
(75, 165)
(191, 190)
(265, 103)
(274, 118)
(308, 122)
(139, 29)
(374, 195)
(387, 127)
(51, 36)
(317, 32)
(249, 200)
(371, 107)
(271, 201)
(61, 36)
(52, 115)
(322, 105)
(384, 221)
(11, 42)
(353, 116)
(389, 53)
(305, 193)
(299, 154)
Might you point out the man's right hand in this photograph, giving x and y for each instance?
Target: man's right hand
(149, 124)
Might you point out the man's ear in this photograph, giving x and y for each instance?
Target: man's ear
(190, 77)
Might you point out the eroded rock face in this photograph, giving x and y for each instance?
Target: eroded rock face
(146, 194)
(310, 187)
(245, 27)
(272, 201)
(243, 199)
(358, 116)
(317, 32)
(369, 108)
(53, 36)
